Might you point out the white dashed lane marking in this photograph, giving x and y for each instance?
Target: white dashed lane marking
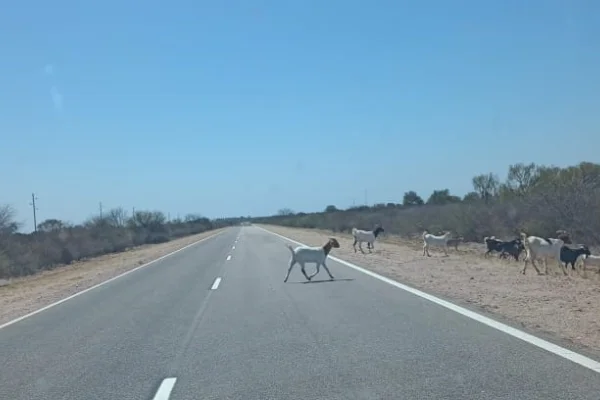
(216, 283)
(165, 388)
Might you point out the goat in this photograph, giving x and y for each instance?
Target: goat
(491, 243)
(570, 256)
(590, 260)
(439, 241)
(455, 242)
(365, 236)
(513, 247)
(543, 248)
(306, 254)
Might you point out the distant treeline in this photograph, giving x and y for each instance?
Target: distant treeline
(536, 198)
(57, 242)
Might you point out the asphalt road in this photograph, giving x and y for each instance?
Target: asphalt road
(254, 337)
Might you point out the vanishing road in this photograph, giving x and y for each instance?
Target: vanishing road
(216, 321)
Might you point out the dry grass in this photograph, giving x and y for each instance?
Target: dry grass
(24, 295)
(565, 307)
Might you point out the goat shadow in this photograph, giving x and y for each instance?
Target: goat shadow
(326, 281)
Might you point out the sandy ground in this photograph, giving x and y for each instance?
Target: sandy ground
(24, 295)
(561, 307)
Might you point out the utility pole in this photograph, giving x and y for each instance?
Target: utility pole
(100, 207)
(366, 197)
(32, 204)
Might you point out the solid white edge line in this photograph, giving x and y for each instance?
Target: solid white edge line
(165, 388)
(216, 283)
(509, 330)
(228, 258)
(14, 321)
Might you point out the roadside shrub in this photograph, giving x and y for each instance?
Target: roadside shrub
(59, 243)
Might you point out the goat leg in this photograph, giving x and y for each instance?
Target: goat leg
(426, 250)
(327, 269)
(564, 270)
(536, 268)
(316, 272)
(304, 272)
(524, 266)
(360, 247)
(289, 270)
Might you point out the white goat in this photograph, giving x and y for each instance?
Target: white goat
(317, 255)
(365, 236)
(589, 261)
(542, 248)
(438, 241)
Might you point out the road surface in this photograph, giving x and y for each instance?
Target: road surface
(173, 330)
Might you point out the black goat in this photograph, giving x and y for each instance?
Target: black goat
(569, 255)
(513, 247)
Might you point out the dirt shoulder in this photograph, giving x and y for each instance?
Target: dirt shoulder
(562, 307)
(24, 295)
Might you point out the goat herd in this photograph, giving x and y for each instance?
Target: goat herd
(543, 248)
(536, 248)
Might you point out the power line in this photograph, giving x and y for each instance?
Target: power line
(33, 206)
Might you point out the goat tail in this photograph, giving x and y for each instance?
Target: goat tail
(291, 249)
(354, 232)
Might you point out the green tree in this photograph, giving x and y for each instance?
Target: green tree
(486, 185)
(522, 177)
(471, 197)
(51, 225)
(441, 197)
(411, 198)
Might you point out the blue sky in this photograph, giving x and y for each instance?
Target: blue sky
(231, 108)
